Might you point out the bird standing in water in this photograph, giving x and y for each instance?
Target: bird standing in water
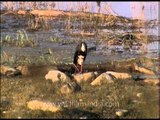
(80, 56)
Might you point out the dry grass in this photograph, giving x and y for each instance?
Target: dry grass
(90, 102)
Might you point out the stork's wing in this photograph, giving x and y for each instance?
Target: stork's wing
(75, 57)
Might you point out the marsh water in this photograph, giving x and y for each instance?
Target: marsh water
(135, 10)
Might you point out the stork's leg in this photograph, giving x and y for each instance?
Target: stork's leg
(76, 68)
(81, 69)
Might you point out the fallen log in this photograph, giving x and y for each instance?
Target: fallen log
(56, 13)
(119, 75)
(152, 81)
(87, 34)
(143, 70)
(47, 13)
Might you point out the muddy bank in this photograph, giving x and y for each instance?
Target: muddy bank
(132, 66)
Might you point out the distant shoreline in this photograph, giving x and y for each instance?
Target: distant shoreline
(132, 10)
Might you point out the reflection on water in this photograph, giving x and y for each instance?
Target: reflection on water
(137, 10)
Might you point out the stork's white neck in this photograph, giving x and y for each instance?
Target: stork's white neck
(83, 48)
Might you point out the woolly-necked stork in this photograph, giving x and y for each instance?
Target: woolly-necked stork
(80, 56)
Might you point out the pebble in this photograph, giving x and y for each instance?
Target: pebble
(139, 95)
(121, 112)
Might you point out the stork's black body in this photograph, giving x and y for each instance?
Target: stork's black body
(80, 56)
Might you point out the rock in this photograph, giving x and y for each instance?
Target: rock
(8, 71)
(24, 70)
(83, 117)
(4, 69)
(44, 106)
(4, 112)
(103, 78)
(139, 95)
(86, 77)
(65, 89)
(152, 81)
(121, 113)
(13, 73)
(118, 75)
(56, 75)
(70, 88)
(142, 70)
(19, 117)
